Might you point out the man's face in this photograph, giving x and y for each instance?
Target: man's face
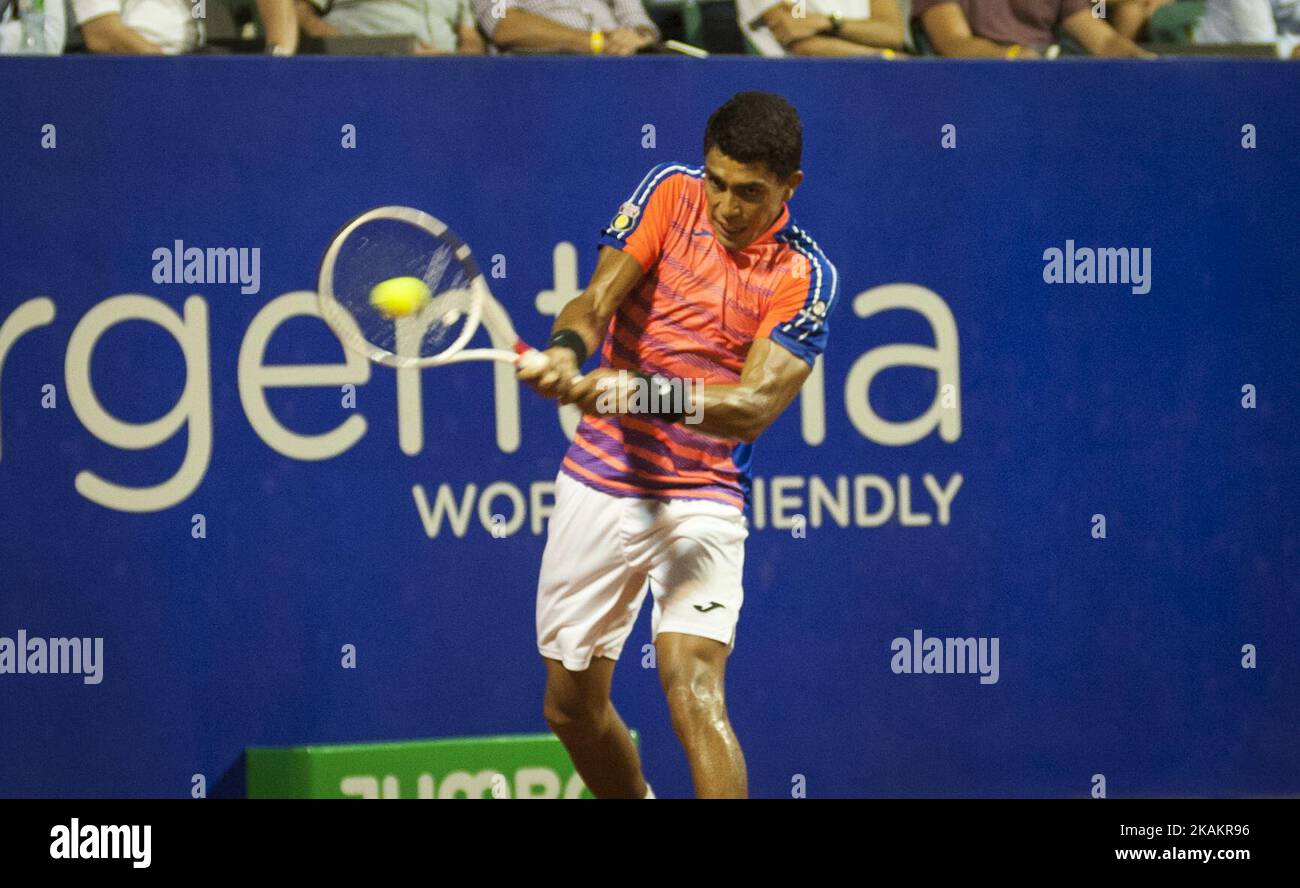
(744, 198)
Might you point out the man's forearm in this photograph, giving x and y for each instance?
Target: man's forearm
(886, 35)
(1119, 46)
(974, 48)
(1127, 18)
(523, 30)
(468, 39)
(280, 23)
(731, 411)
(1100, 39)
(739, 410)
(312, 24)
(829, 46)
(582, 317)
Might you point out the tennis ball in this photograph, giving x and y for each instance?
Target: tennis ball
(400, 296)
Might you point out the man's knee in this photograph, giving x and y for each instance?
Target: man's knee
(695, 702)
(691, 671)
(568, 712)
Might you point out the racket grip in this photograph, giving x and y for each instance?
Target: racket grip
(531, 359)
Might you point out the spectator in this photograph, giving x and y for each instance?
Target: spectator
(708, 24)
(1130, 17)
(12, 34)
(440, 27)
(1017, 29)
(153, 27)
(597, 27)
(1253, 21)
(822, 27)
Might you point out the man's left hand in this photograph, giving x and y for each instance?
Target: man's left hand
(596, 386)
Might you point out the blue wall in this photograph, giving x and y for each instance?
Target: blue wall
(1119, 656)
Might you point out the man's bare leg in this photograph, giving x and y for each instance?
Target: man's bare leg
(691, 670)
(579, 711)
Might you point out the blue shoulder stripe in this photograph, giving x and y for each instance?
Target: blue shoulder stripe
(805, 334)
(641, 196)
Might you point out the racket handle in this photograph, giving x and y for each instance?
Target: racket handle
(532, 359)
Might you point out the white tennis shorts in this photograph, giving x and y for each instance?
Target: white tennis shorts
(603, 551)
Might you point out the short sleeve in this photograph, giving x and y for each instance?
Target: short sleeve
(798, 315)
(641, 225)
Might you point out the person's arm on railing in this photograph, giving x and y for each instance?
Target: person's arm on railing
(831, 47)
(1100, 39)
(281, 25)
(810, 34)
(311, 22)
(468, 40)
(524, 30)
(883, 29)
(631, 14)
(516, 29)
(105, 31)
(948, 29)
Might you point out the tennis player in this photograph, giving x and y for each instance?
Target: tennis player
(709, 307)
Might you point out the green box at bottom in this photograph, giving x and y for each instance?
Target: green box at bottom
(532, 766)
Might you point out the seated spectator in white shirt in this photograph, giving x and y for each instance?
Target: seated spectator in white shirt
(11, 28)
(1253, 21)
(440, 27)
(153, 27)
(596, 27)
(822, 27)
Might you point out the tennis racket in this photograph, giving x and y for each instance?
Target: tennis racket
(389, 242)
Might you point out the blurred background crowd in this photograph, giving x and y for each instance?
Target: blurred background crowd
(892, 29)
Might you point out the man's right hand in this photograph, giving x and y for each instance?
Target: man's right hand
(788, 28)
(624, 41)
(556, 378)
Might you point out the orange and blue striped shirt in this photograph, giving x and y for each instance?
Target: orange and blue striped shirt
(695, 315)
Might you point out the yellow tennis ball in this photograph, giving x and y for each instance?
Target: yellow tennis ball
(400, 296)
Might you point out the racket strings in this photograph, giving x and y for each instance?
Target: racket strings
(381, 249)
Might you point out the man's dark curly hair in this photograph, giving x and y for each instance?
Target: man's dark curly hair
(757, 127)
